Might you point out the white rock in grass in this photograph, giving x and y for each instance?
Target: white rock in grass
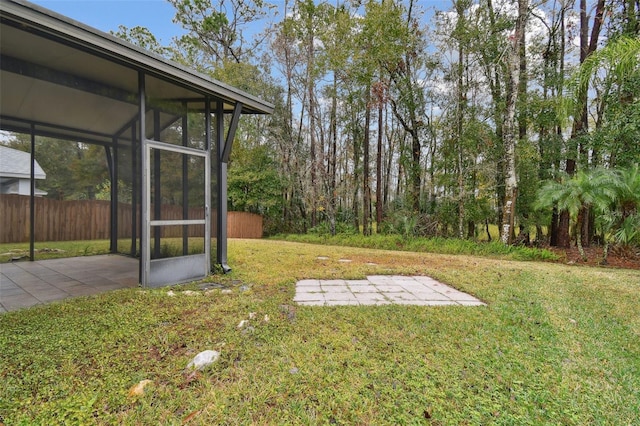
(170, 293)
(203, 359)
(252, 315)
(242, 323)
(266, 318)
(191, 293)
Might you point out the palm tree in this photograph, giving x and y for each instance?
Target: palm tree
(627, 186)
(577, 194)
(618, 61)
(628, 205)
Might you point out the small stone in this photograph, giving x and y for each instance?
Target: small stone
(294, 370)
(242, 323)
(266, 318)
(191, 293)
(344, 260)
(203, 359)
(244, 288)
(572, 321)
(226, 291)
(170, 293)
(252, 315)
(322, 258)
(138, 389)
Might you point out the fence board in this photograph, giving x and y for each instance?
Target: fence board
(90, 220)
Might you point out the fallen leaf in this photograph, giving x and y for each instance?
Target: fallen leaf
(138, 389)
(191, 417)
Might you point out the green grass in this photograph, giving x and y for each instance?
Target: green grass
(556, 344)
(53, 249)
(62, 249)
(431, 245)
(173, 246)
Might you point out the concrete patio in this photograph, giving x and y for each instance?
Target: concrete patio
(24, 284)
(381, 290)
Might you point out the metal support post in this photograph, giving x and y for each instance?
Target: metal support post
(32, 197)
(207, 182)
(222, 190)
(157, 189)
(145, 255)
(112, 162)
(134, 191)
(185, 183)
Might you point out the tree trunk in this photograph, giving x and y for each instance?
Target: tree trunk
(553, 228)
(579, 224)
(356, 175)
(333, 155)
(312, 123)
(379, 166)
(523, 121)
(495, 85)
(366, 190)
(581, 119)
(459, 124)
(389, 160)
(559, 221)
(511, 183)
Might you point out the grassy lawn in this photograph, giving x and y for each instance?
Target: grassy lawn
(62, 249)
(556, 345)
(53, 249)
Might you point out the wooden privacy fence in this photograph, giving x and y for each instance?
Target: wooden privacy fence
(90, 220)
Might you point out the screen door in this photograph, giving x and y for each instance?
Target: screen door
(176, 244)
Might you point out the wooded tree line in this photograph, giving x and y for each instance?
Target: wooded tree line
(391, 117)
(431, 126)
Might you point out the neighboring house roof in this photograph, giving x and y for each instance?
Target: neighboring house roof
(17, 164)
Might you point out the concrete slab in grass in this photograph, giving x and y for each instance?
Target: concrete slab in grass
(381, 290)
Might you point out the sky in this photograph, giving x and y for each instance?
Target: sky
(107, 15)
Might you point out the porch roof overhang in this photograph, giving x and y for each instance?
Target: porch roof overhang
(73, 81)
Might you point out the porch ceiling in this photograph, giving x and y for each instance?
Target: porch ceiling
(76, 82)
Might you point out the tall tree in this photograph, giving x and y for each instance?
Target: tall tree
(576, 147)
(216, 29)
(513, 88)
